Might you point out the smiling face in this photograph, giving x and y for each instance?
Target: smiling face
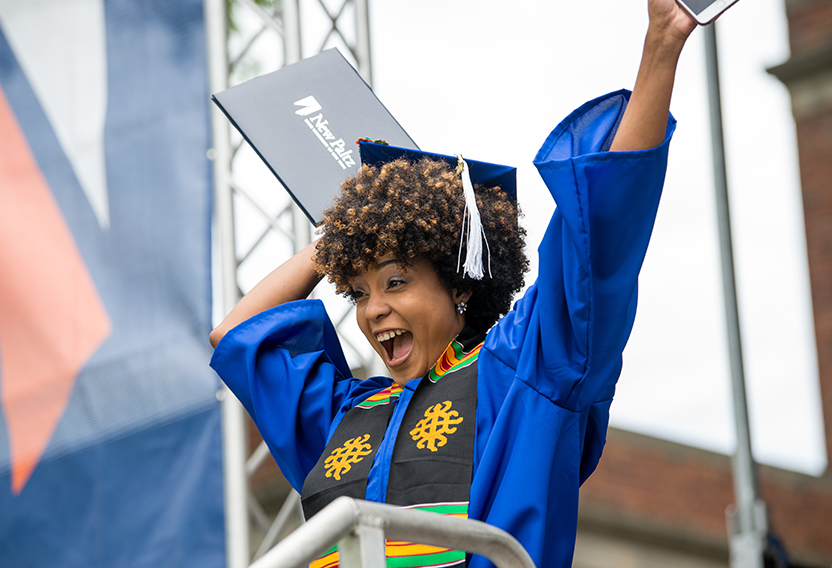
(407, 315)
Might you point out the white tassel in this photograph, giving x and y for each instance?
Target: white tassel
(473, 266)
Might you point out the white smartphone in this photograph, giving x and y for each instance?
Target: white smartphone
(705, 11)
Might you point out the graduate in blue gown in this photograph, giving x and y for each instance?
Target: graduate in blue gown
(500, 422)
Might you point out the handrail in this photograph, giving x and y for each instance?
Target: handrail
(360, 527)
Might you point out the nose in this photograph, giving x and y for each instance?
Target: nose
(377, 307)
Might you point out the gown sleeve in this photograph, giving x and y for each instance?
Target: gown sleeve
(286, 367)
(548, 369)
(565, 336)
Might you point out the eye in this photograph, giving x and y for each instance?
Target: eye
(395, 282)
(355, 295)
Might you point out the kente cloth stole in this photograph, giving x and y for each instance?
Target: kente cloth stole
(432, 460)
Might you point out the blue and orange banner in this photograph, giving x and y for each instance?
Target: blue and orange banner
(110, 445)
(45, 291)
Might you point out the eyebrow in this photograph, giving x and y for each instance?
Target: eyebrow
(386, 262)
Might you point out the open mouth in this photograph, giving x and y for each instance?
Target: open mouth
(397, 345)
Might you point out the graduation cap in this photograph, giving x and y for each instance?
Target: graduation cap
(472, 172)
(482, 173)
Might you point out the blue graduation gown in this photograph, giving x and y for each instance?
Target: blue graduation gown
(547, 370)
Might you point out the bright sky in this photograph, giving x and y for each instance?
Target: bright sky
(490, 79)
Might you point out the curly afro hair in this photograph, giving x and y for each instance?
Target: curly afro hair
(412, 210)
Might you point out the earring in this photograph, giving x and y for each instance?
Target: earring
(461, 307)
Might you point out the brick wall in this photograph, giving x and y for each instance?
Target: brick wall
(672, 494)
(808, 75)
(814, 135)
(810, 22)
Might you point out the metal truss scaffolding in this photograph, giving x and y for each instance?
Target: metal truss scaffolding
(255, 228)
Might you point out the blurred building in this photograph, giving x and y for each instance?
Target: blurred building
(654, 503)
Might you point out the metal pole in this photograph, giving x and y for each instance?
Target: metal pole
(292, 53)
(291, 26)
(362, 48)
(233, 424)
(363, 547)
(746, 519)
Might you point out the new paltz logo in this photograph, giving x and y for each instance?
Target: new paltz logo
(320, 128)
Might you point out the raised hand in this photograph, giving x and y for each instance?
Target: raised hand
(645, 120)
(666, 16)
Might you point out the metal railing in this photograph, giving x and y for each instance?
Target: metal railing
(360, 527)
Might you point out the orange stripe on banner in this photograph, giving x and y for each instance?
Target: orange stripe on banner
(52, 319)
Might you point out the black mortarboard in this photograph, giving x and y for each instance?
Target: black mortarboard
(303, 121)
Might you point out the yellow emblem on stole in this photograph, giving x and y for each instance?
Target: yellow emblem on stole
(430, 431)
(341, 459)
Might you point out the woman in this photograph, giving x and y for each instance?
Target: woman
(501, 423)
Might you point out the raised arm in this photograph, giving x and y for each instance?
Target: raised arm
(645, 120)
(292, 280)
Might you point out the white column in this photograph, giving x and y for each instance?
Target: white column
(235, 482)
